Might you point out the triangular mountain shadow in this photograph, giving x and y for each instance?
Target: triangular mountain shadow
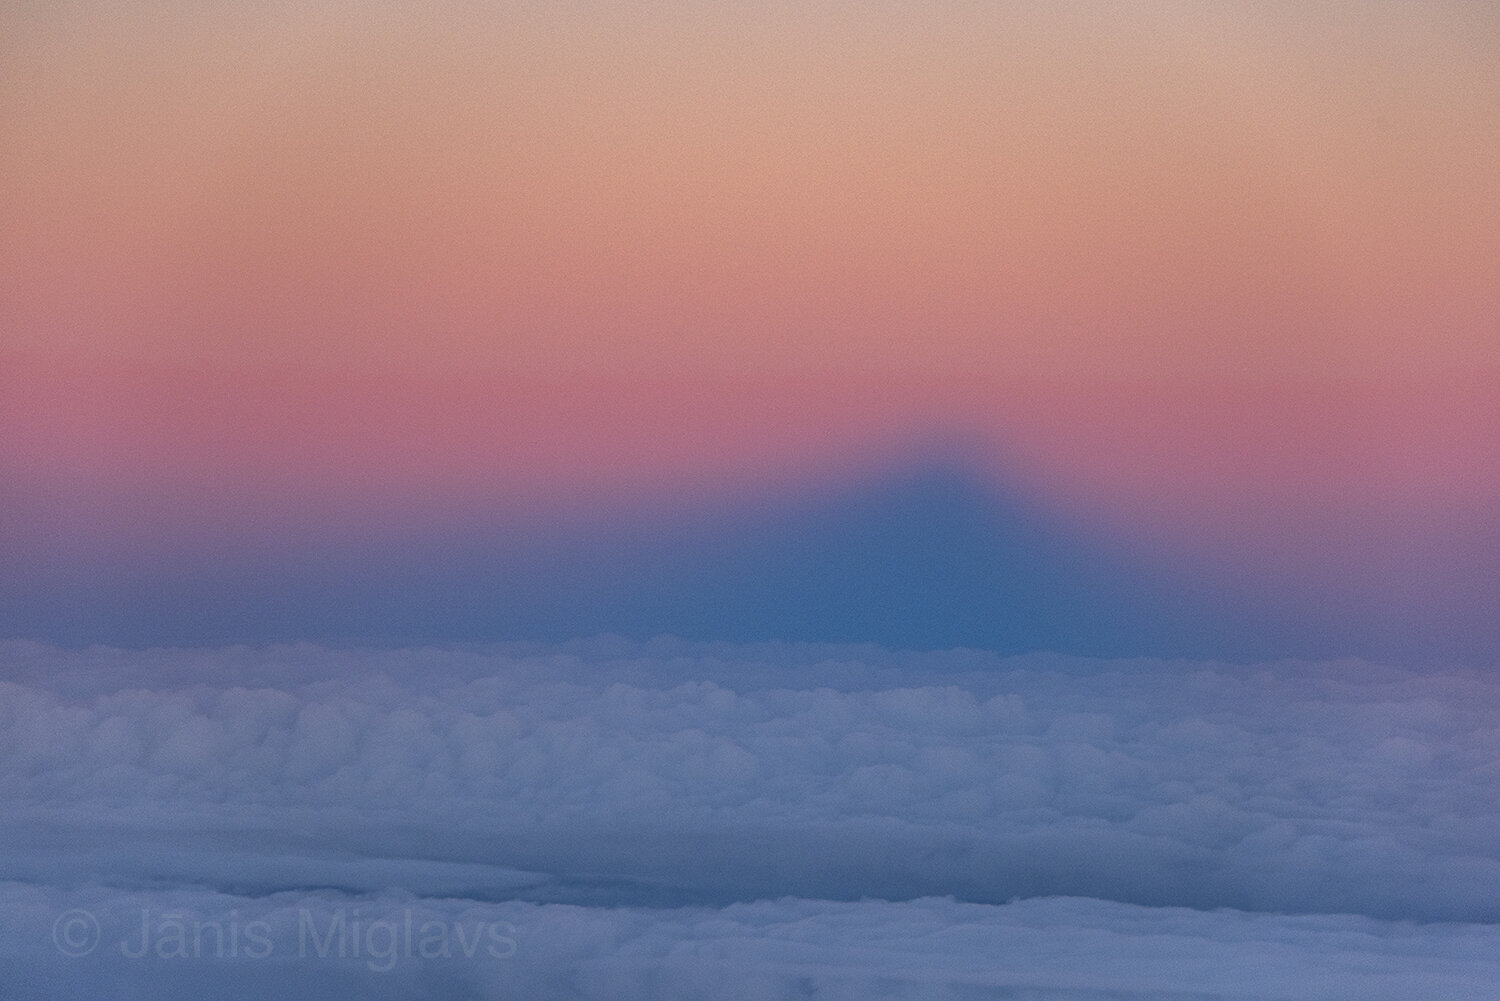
(929, 558)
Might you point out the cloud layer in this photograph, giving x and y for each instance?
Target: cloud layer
(674, 813)
(175, 944)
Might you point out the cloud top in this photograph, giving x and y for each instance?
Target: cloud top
(692, 774)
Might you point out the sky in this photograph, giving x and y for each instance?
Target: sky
(310, 311)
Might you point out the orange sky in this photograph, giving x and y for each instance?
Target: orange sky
(1168, 189)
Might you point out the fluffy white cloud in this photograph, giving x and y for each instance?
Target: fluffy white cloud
(681, 819)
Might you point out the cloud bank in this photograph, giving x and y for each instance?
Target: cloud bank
(686, 820)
